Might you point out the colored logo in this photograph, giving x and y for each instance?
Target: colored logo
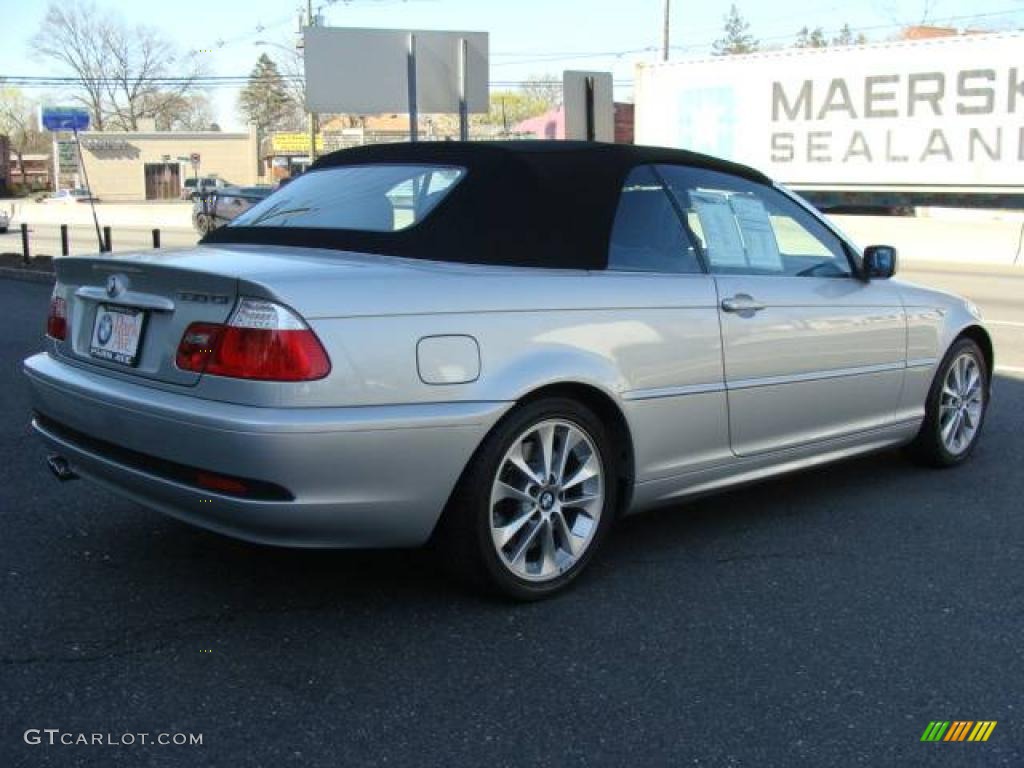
(707, 121)
(958, 730)
(106, 329)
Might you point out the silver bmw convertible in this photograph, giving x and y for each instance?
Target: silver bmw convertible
(499, 348)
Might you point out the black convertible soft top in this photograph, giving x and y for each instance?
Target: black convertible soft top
(523, 203)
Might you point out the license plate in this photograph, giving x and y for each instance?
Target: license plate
(116, 334)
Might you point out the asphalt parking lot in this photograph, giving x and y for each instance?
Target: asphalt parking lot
(822, 619)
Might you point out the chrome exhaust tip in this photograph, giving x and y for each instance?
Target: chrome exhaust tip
(61, 468)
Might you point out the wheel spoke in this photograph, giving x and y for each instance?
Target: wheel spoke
(549, 559)
(585, 472)
(571, 440)
(505, 533)
(519, 461)
(972, 381)
(503, 490)
(563, 530)
(583, 501)
(546, 439)
(949, 431)
(525, 545)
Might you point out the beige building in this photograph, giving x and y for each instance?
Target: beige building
(153, 165)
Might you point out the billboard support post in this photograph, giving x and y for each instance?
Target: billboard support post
(413, 113)
(463, 89)
(588, 96)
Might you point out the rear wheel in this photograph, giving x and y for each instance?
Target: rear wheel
(956, 407)
(535, 502)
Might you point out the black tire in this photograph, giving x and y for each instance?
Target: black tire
(928, 448)
(463, 537)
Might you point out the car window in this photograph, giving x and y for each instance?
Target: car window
(750, 228)
(372, 198)
(647, 235)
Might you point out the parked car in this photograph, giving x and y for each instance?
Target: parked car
(5, 222)
(203, 185)
(68, 196)
(498, 346)
(218, 208)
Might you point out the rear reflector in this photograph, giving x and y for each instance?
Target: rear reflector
(57, 319)
(221, 484)
(262, 341)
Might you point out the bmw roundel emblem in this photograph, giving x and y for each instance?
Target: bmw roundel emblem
(115, 286)
(105, 330)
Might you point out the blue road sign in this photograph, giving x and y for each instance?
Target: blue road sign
(65, 119)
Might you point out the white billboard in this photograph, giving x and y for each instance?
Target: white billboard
(941, 112)
(574, 99)
(366, 71)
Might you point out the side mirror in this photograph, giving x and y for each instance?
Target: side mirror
(880, 262)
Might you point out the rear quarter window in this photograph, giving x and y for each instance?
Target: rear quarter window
(370, 198)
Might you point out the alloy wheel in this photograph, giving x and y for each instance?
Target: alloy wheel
(546, 500)
(961, 404)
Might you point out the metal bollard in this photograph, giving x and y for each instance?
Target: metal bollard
(156, 238)
(64, 248)
(25, 259)
(107, 245)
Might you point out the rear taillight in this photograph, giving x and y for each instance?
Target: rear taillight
(262, 340)
(57, 319)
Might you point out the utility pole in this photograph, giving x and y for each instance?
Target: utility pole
(311, 21)
(664, 31)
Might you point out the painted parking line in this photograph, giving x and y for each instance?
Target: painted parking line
(1010, 323)
(1018, 369)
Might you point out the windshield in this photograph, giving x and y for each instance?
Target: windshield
(371, 198)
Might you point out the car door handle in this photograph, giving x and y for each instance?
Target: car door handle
(741, 302)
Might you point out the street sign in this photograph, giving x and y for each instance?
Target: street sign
(165, 158)
(194, 157)
(184, 159)
(64, 119)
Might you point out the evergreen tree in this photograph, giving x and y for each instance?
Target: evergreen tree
(846, 37)
(737, 37)
(811, 38)
(265, 100)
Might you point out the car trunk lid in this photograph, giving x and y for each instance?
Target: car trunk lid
(111, 299)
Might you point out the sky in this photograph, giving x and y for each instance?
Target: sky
(527, 37)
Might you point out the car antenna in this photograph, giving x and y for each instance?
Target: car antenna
(88, 189)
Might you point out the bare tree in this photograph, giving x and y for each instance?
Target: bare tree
(544, 92)
(122, 73)
(185, 113)
(138, 57)
(73, 34)
(18, 123)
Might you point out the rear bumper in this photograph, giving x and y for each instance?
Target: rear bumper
(359, 477)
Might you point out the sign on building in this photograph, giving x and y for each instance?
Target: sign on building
(294, 143)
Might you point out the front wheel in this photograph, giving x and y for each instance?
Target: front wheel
(535, 502)
(956, 407)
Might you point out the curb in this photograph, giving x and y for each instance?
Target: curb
(27, 275)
